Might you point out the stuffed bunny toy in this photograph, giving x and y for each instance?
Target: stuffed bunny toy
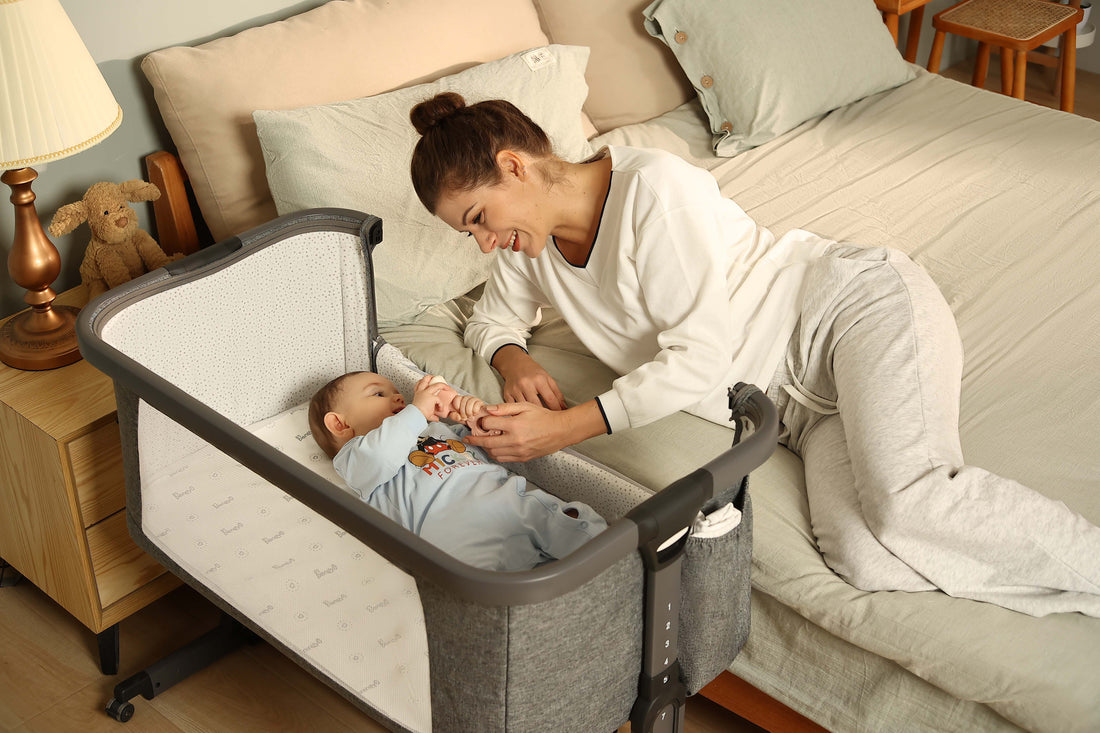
(118, 251)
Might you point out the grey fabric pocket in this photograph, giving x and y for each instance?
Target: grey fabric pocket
(714, 595)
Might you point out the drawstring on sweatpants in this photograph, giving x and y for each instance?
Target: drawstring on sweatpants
(806, 398)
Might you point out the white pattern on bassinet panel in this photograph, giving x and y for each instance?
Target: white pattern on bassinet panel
(237, 338)
(315, 588)
(309, 584)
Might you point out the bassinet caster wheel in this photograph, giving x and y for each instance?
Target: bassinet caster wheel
(119, 710)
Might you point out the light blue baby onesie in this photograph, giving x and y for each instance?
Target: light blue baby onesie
(425, 478)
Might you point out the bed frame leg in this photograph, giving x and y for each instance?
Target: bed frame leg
(228, 635)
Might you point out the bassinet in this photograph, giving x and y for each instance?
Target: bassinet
(213, 359)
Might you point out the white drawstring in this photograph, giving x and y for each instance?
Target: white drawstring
(806, 398)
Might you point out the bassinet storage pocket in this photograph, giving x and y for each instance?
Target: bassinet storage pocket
(714, 596)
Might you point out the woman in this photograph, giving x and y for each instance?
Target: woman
(680, 292)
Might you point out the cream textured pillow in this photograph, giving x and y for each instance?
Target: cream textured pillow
(356, 154)
(763, 67)
(340, 50)
(631, 79)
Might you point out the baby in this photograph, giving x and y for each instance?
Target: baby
(417, 471)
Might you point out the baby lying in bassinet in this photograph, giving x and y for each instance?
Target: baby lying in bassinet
(417, 471)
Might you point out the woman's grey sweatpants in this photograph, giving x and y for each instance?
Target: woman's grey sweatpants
(869, 398)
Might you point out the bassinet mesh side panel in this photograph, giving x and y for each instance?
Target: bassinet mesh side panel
(249, 346)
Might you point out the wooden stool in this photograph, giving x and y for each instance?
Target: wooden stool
(1016, 27)
(892, 10)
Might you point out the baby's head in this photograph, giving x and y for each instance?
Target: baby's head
(350, 405)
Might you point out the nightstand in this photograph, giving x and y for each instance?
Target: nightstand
(62, 497)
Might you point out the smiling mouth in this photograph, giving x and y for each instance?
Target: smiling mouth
(513, 241)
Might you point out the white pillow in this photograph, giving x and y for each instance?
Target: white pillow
(356, 155)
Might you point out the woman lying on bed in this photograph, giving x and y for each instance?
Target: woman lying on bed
(680, 292)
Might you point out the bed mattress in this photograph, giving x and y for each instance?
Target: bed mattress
(996, 200)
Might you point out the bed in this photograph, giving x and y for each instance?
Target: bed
(996, 198)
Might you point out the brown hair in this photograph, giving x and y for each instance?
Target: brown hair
(323, 402)
(459, 143)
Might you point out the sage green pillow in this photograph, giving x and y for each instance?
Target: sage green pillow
(763, 67)
(356, 154)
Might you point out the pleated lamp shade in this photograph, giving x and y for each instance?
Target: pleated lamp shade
(53, 100)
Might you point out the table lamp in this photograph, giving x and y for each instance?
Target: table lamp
(53, 103)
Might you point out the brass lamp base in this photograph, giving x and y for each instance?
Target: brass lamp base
(36, 340)
(45, 336)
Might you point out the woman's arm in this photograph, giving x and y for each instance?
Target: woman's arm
(499, 328)
(534, 431)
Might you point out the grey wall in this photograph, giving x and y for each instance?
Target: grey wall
(119, 34)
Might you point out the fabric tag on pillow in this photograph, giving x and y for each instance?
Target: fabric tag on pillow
(537, 58)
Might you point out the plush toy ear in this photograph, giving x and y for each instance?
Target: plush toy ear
(139, 190)
(68, 218)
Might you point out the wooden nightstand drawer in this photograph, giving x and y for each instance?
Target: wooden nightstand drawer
(96, 461)
(120, 567)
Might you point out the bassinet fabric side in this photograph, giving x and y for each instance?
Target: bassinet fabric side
(568, 664)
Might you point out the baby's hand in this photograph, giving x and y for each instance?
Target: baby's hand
(465, 407)
(469, 410)
(433, 397)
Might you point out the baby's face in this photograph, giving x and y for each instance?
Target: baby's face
(366, 400)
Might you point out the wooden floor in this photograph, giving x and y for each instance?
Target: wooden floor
(1041, 85)
(50, 680)
(49, 674)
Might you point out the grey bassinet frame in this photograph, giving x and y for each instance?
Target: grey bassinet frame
(623, 560)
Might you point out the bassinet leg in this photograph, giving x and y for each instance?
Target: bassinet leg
(185, 661)
(661, 693)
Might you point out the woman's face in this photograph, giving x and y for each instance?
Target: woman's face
(505, 215)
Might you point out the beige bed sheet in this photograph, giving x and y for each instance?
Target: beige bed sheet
(998, 200)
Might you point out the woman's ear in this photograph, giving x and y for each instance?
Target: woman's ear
(511, 164)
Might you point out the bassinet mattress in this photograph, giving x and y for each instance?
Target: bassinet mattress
(997, 200)
(311, 586)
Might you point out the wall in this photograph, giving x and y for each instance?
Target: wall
(119, 34)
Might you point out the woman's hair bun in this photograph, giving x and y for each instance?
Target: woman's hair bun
(430, 112)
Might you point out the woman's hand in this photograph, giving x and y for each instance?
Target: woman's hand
(525, 430)
(525, 380)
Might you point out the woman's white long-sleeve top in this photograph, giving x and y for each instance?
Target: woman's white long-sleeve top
(683, 294)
